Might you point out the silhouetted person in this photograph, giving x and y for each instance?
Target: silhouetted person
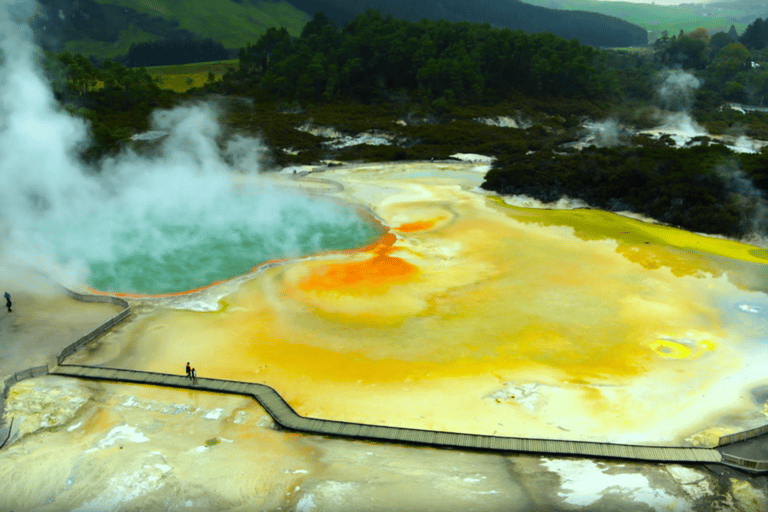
(8, 303)
(193, 374)
(189, 371)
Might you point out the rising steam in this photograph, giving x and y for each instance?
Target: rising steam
(58, 215)
(607, 133)
(678, 89)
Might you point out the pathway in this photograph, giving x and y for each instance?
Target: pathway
(286, 417)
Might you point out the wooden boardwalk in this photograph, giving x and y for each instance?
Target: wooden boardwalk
(284, 415)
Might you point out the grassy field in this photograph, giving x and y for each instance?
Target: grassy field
(654, 18)
(182, 77)
(231, 24)
(110, 51)
(224, 21)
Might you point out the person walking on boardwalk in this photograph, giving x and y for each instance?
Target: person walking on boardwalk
(193, 373)
(189, 370)
(8, 302)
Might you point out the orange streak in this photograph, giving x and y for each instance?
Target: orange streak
(410, 227)
(379, 272)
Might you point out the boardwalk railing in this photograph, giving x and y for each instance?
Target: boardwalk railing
(742, 436)
(37, 371)
(84, 340)
(755, 466)
(285, 416)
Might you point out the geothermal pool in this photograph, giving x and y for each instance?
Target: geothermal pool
(165, 247)
(471, 315)
(467, 314)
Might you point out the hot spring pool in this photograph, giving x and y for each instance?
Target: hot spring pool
(148, 246)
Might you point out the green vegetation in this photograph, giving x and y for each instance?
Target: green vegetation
(730, 70)
(183, 77)
(374, 58)
(115, 100)
(128, 36)
(428, 86)
(230, 23)
(654, 18)
(586, 27)
(107, 28)
(676, 186)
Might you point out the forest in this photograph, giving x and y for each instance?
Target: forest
(692, 188)
(375, 57)
(586, 27)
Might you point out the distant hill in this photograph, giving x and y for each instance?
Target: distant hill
(589, 28)
(107, 28)
(658, 18)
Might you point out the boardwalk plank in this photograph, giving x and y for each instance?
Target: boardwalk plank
(283, 414)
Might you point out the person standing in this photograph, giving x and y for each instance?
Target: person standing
(8, 303)
(189, 371)
(194, 377)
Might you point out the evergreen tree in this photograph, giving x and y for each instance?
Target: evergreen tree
(755, 37)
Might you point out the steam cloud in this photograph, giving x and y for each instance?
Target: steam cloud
(58, 215)
(607, 133)
(677, 92)
(678, 89)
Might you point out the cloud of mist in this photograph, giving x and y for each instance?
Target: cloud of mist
(751, 198)
(676, 94)
(678, 89)
(606, 133)
(58, 215)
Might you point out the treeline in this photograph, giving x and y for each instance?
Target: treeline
(376, 57)
(116, 100)
(729, 69)
(681, 187)
(109, 85)
(588, 28)
(175, 51)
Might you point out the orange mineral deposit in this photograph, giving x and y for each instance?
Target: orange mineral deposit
(412, 227)
(374, 275)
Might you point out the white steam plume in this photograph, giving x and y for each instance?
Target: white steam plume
(606, 133)
(678, 89)
(58, 215)
(750, 198)
(677, 92)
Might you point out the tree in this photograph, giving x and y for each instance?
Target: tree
(719, 41)
(81, 74)
(690, 50)
(755, 36)
(729, 60)
(316, 25)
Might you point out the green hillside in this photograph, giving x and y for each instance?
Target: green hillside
(232, 24)
(654, 18)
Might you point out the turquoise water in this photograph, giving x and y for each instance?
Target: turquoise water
(194, 254)
(147, 243)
